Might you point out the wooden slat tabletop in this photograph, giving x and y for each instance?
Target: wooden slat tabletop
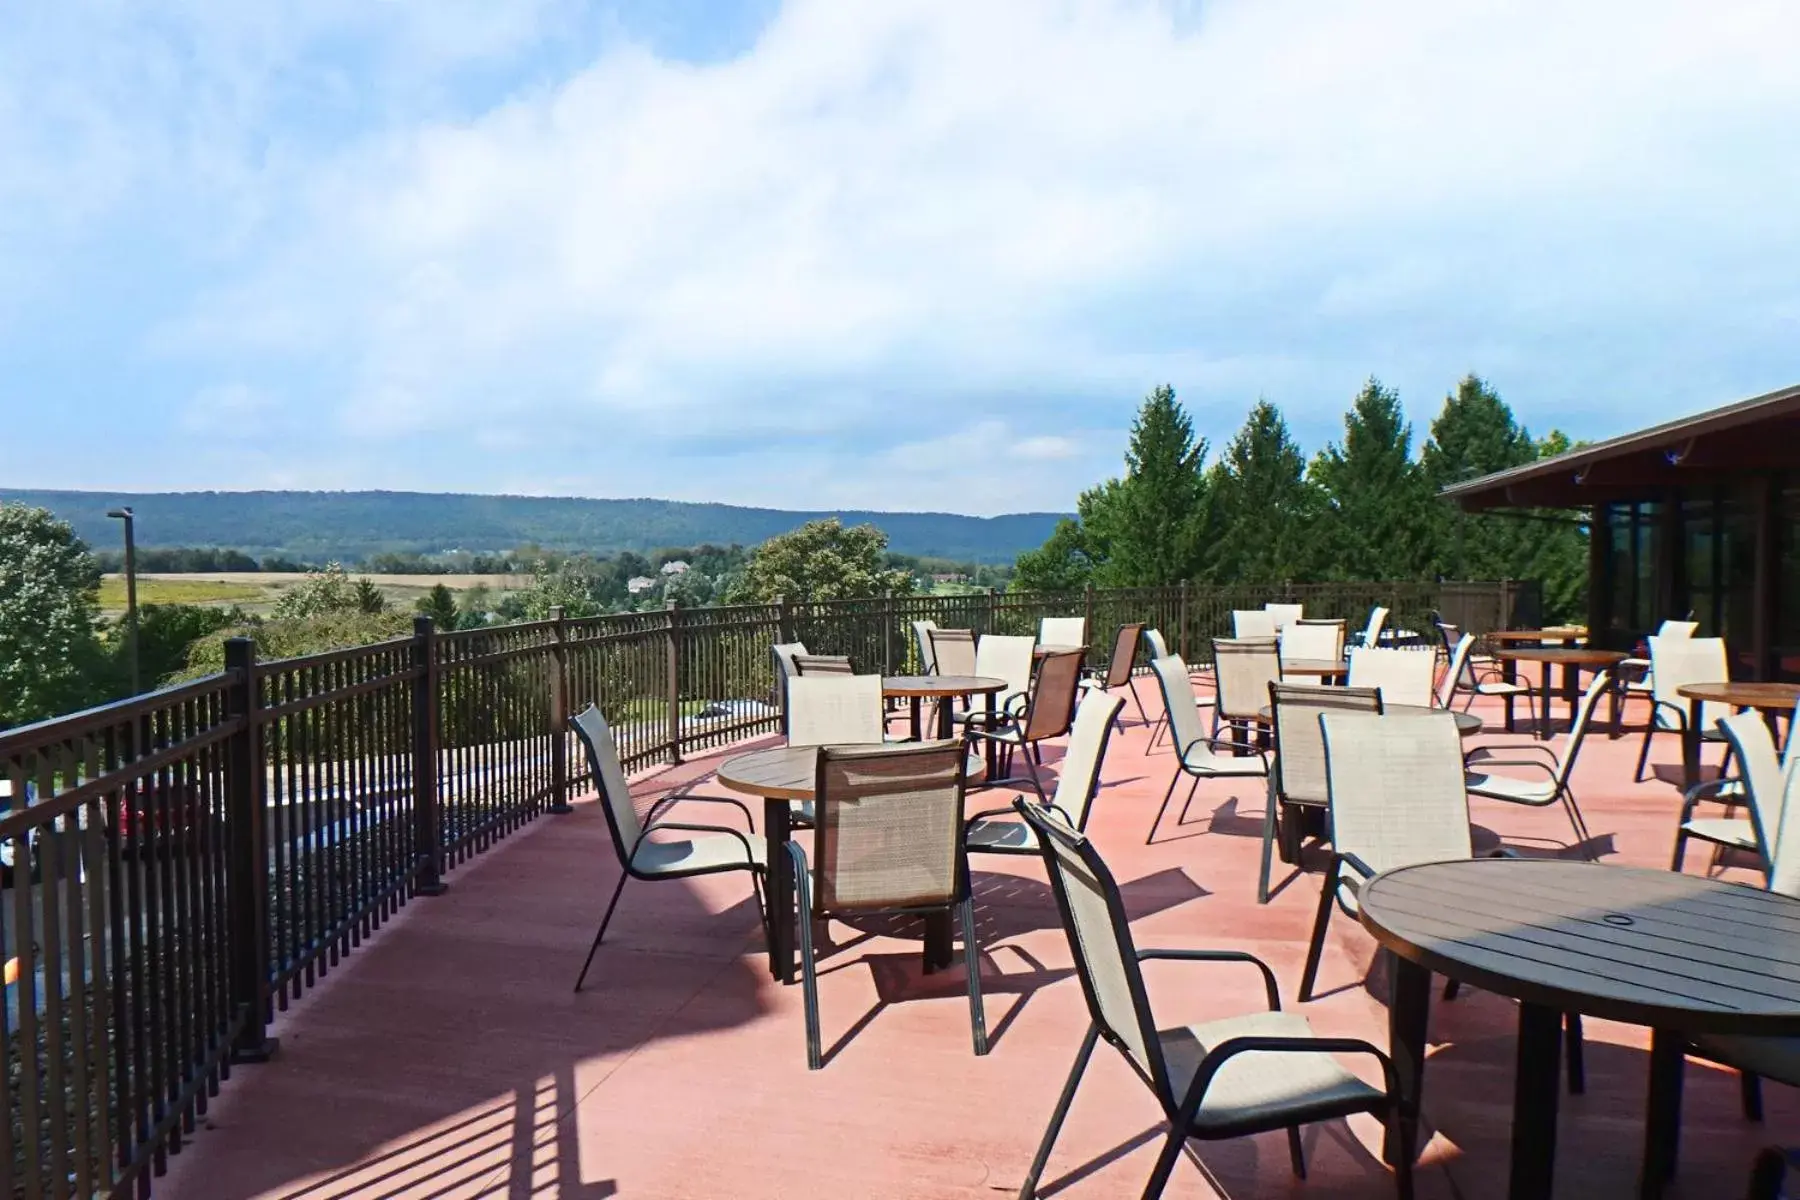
(789, 772)
(935, 686)
(1648, 947)
(1745, 695)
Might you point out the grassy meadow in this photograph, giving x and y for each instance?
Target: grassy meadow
(257, 591)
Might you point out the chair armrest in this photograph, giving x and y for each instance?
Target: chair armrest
(682, 797)
(1700, 791)
(1526, 747)
(1356, 864)
(694, 827)
(1532, 763)
(1232, 1047)
(1228, 744)
(985, 813)
(1681, 713)
(1269, 986)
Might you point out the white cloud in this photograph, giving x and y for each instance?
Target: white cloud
(892, 217)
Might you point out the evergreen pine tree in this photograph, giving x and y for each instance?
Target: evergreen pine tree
(1262, 519)
(1476, 434)
(1156, 510)
(1378, 521)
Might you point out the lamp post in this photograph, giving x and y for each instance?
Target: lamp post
(131, 611)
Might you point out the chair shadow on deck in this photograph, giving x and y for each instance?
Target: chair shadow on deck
(1006, 906)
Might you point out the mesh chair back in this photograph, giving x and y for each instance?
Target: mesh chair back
(1372, 631)
(1285, 614)
(1784, 851)
(1053, 697)
(1584, 714)
(1093, 917)
(1158, 644)
(1079, 776)
(1300, 747)
(1246, 667)
(1124, 655)
(1336, 623)
(1252, 623)
(1397, 793)
(1677, 662)
(952, 651)
(1760, 763)
(922, 635)
(1177, 686)
(1062, 631)
(1402, 676)
(1300, 640)
(785, 654)
(1677, 629)
(609, 780)
(888, 827)
(834, 710)
(822, 664)
(1008, 658)
(1460, 672)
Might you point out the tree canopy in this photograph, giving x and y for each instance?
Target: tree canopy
(1366, 507)
(821, 560)
(49, 616)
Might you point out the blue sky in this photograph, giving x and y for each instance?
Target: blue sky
(900, 255)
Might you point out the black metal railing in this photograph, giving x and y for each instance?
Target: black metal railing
(180, 865)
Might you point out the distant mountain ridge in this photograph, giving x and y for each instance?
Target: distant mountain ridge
(354, 525)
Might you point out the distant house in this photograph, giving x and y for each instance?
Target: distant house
(638, 584)
(676, 567)
(954, 577)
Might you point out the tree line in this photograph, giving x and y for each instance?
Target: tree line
(1363, 507)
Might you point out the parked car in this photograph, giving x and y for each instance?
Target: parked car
(742, 710)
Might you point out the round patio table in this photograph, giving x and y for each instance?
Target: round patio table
(918, 688)
(1467, 723)
(1320, 667)
(1572, 659)
(1769, 699)
(1679, 953)
(780, 776)
(1570, 633)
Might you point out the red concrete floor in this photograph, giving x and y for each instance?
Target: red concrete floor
(448, 1058)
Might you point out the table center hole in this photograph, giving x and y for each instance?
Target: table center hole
(1619, 919)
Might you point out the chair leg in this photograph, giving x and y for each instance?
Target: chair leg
(1028, 1191)
(1296, 1152)
(604, 922)
(1150, 838)
(972, 961)
(1165, 1164)
(1750, 1092)
(1037, 785)
(1188, 803)
(1315, 950)
(809, 979)
(1573, 1043)
(1644, 750)
(1451, 988)
(1132, 684)
(1582, 838)
(1268, 846)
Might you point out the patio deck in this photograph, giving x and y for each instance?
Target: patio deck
(449, 1059)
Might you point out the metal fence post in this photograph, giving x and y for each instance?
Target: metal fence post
(988, 614)
(674, 681)
(1087, 612)
(247, 867)
(428, 813)
(784, 620)
(887, 632)
(559, 714)
(1181, 621)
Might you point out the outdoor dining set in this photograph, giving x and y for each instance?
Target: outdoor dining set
(1358, 743)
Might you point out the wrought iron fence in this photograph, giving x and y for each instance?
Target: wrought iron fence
(179, 865)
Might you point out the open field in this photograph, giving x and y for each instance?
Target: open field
(257, 591)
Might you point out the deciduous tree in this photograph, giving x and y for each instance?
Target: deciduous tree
(49, 616)
(821, 560)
